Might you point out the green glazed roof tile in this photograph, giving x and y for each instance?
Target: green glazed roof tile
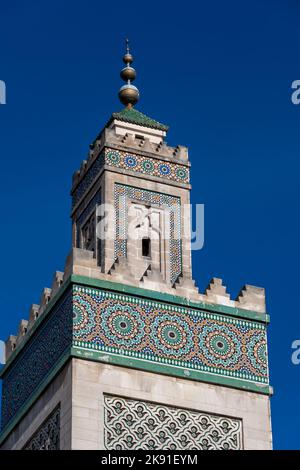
(136, 117)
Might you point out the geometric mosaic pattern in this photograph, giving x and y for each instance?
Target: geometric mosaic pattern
(176, 336)
(133, 424)
(139, 332)
(122, 195)
(37, 359)
(47, 437)
(88, 179)
(133, 162)
(147, 165)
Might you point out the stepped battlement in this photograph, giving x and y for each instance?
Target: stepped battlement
(82, 263)
(130, 142)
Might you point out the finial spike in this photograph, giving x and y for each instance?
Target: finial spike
(128, 94)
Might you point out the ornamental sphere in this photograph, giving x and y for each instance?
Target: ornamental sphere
(128, 73)
(129, 95)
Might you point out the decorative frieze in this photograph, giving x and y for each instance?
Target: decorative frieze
(166, 334)
(133, 162)
(135, 424)
(135, 331)
(147, 165)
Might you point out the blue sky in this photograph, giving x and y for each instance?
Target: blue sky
(219, 73)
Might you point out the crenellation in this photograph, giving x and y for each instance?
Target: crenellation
(181, 153)
(33, 315)
(82, 262)
(57, 282)
(166, 151)
(83, 167)
(35, 312)
(22, 330)
(10, 346)
(91, 154)
(216, 293)
(185, 286)
(45, 299)
(76, 176)
(147, 147)
(130, 141)
(252, 298)
(121, 272)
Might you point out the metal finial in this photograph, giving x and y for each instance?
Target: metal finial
(128, 94)
(127, 46)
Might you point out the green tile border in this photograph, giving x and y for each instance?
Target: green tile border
(135, 363)
(174, 371)
(139, 292)
(139, 364)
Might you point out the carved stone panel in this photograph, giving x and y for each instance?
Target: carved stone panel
(47, 437)
(134, 424)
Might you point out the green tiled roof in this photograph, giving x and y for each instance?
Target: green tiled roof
(136, 117)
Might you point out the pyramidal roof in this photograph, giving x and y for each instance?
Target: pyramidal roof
(136, 117)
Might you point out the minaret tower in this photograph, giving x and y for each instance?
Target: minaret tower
(123, 351)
